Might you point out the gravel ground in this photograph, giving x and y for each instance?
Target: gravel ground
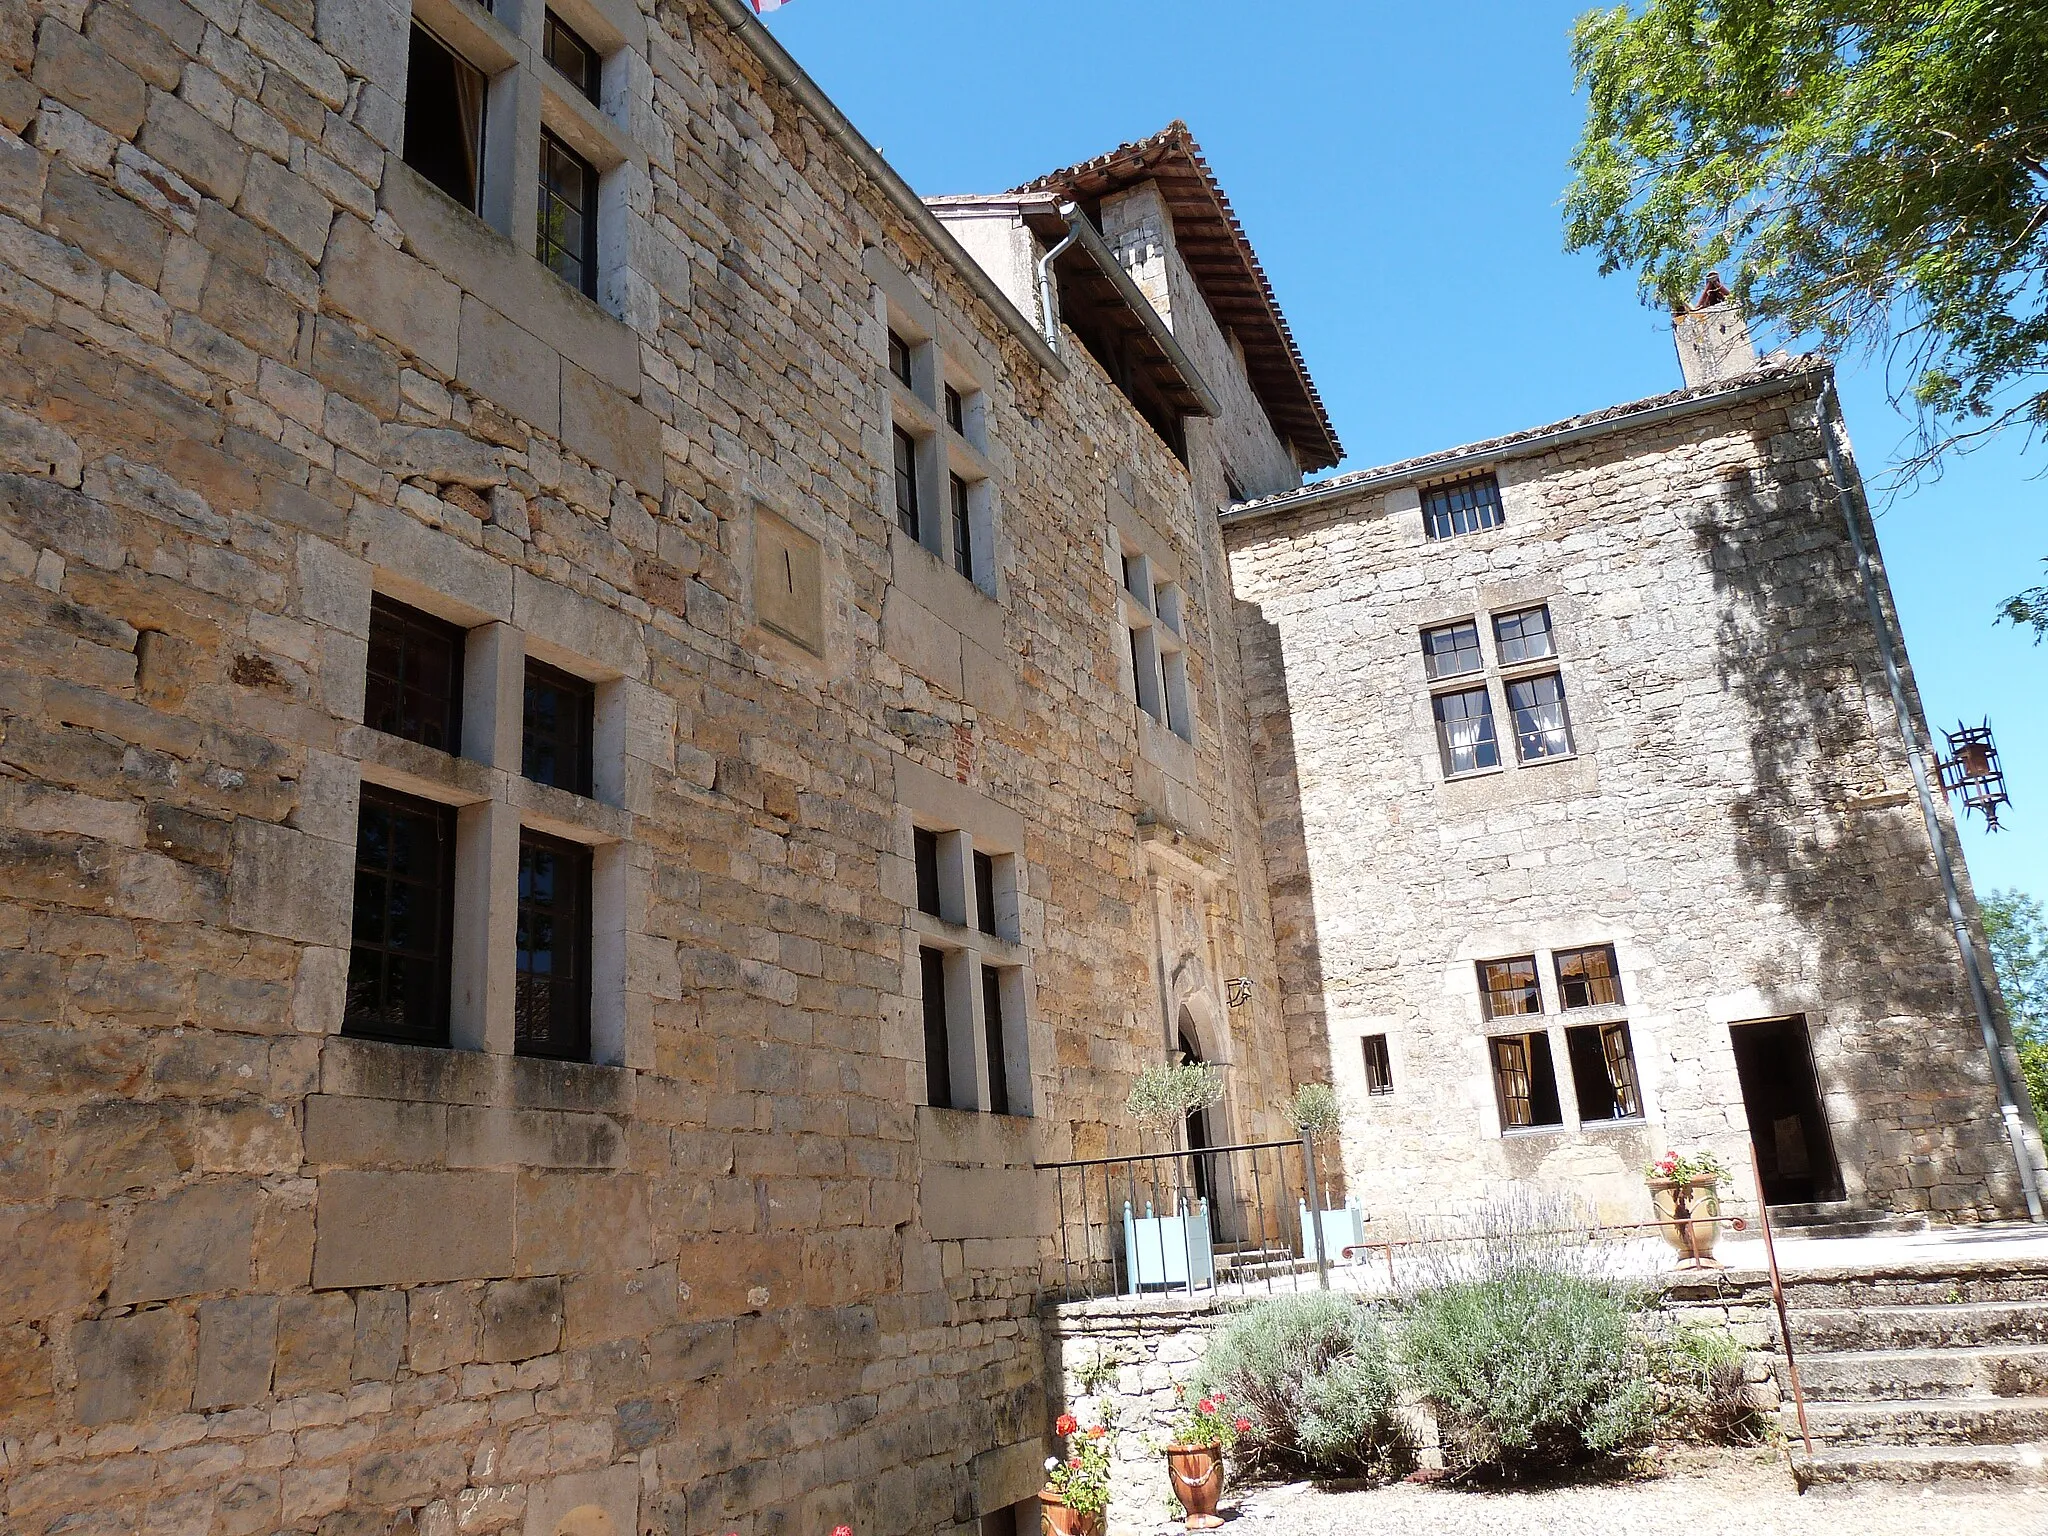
(1724, 1494)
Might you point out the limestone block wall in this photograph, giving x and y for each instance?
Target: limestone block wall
(1737, 818)
(732, 1274)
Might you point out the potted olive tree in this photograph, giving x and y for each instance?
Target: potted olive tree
(1170, 1247)
(1315, 1112)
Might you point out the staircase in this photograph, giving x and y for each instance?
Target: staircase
(1840, 1218)
(1920, 1373)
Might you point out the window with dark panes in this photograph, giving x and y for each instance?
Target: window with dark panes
(1451, 650)
(899, 358)
(924, 848)
(1466, 507)
(1508, 988)
(564, 47)
(567, 238)
(1139, 673)
(956, 410)
(1464, 731)
(1524, 636)
(992, 1032)
(1379, 1066)
(938, 1048)
(402, 939)
(1134, 576)
(1542, 727)
(557, 728)
(963, 533)
(1587, 978)
(551, 988)
(906, 481)
(1604, 1072)
(413, 682)
(444, 117)
(1525, 1081)
(984, 892)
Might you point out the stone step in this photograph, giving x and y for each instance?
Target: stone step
(1821, 1330)
(1925, 1421)
(1889, 1375)
(2019, 1465)
(1840, 1218)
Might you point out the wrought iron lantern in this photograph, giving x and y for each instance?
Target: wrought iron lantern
(1971, 770)
(1237, 990)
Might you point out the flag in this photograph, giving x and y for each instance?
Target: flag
(763, 7)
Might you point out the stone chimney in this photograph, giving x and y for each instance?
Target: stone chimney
(1713, 337)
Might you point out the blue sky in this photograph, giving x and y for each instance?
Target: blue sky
(1398, 169)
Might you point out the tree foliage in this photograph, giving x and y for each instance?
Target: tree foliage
(1860, 173)
(2016, 930)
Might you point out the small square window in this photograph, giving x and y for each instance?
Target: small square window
(1542, 727)
(1508, 988)
(413, 686)
(963, 531)
(906, 482)
(956, 410)
(1464, 731)
(984, 892)
(1524, 636)
(992, 1032)
(924, 846)
(551, 991)
(1587, 978)
(938, 1046)
(556, 729)
(1379, 1066)
(1604, 1072)
(899, 359)
(402, 940)
(567, 233)
(1451, 650)
(1525, 1081)
(564, 47)
(1465, 507)
(444, 117)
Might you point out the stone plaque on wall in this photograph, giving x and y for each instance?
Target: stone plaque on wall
(789, 583)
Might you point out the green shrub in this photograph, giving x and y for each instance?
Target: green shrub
(1528, 1368)
(1312, 1374)
(1704, 1372)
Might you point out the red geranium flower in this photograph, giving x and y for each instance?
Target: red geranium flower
(842, 1530)
(1065, 1424)
(1244, 1426)
(1074, 1462)
(1206, 1406)
(1217, 1395)
(1098, 1432)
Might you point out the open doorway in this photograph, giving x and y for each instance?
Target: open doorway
(1201, 1136)
(1781, 1096)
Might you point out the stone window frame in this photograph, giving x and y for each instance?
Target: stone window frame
(526, 95)
(1151, 606)
(918, 411)
(965, 823)
(494, 802)
(1494, 676)
(1557, 1024)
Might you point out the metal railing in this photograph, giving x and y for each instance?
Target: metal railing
(1233, 1219)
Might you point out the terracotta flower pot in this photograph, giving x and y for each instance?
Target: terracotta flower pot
(1060, 1520)
(1196, 1472)
(1690, 1213)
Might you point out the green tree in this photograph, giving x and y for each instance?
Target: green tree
(1863, 173)
(2017, 932)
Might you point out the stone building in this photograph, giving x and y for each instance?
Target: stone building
(1590, 827)
(610, 726)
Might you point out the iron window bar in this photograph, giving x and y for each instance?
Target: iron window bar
(1463, 506)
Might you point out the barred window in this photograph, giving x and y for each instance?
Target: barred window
(1464, 731)
(556, 729)
(413, 681)
(1451, 650)
(1587, 978)
(1604, 1072)
(551, 992)
(1525, 1081)
(1524, 636)
(567, 238)
(1379, 1066)
(1508, 987)
(1542, 726)
(401, 949)
(563, 46)
(906, 481)
(1464, 507)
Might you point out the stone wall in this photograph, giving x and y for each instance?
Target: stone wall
(1737, 818)
(733, 1274)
